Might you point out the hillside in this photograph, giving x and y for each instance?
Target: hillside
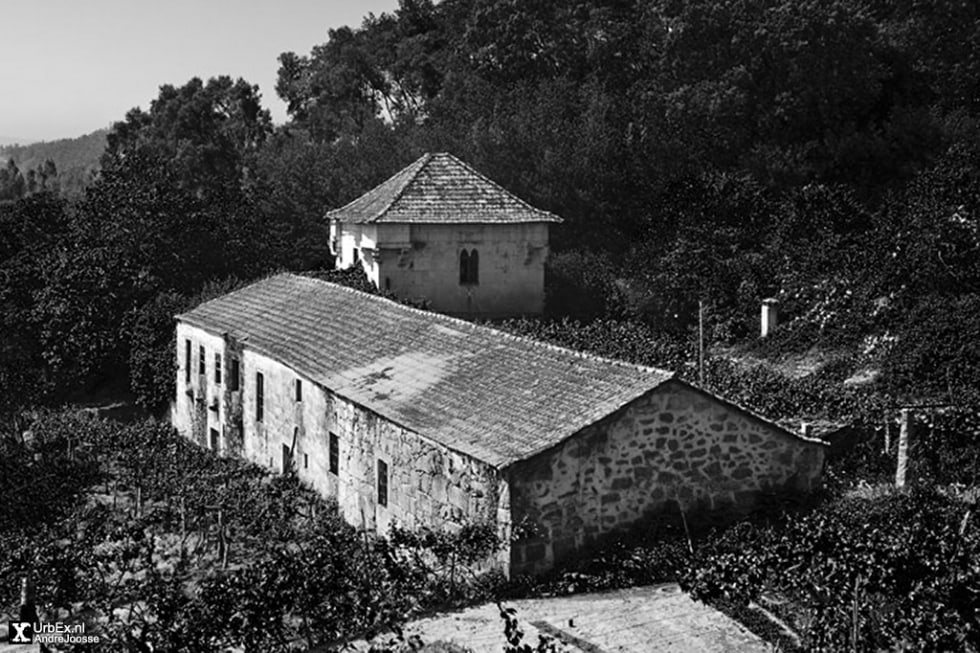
(10, 140)
(75, 159)
(67, 153)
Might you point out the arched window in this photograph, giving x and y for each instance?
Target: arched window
(464, 268)
(474, 267)
(469, 268)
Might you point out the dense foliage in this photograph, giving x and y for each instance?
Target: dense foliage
(705, 155)
(898, 572)
(152, 541)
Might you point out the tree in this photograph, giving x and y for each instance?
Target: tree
(12, 184)
(29, 229)
(209, 131)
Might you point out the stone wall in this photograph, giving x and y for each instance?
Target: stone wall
(676, 447)
(428, 484)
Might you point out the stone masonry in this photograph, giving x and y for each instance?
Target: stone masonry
(676, 447)
(411, 418)
(429, 484)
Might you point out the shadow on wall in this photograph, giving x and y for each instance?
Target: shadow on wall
(660, 548)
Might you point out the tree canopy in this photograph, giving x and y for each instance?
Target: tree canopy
(711, 152)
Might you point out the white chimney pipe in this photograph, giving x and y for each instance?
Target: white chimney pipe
(770, 316)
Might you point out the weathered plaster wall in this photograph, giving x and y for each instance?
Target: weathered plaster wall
(422, 261)
(673, 447)
(428, 484)
(201, 404)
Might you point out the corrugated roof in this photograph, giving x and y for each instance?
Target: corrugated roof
(439, 188)
(489, 394)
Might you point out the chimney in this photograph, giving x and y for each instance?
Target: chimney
(770, 316)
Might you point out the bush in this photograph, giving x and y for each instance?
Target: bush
(581, 285)
(159, 540)
(897, 572)
(937, 353)
(152, 361)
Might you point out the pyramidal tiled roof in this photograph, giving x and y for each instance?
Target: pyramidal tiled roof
(439, 188)
(489, 394)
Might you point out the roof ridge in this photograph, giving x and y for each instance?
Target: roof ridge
(506, 334)
(482, 176)
(422, 162)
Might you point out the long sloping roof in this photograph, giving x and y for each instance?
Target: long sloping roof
(439, 188)
(491, 395)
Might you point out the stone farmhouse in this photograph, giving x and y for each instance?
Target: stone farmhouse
(421, 419)
(441, 231)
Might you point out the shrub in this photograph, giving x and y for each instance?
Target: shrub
(896, 572)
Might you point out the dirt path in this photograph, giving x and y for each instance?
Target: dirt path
(641, 620)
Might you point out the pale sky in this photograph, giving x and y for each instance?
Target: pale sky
(69, 67)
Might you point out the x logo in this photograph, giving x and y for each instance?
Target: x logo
(20, 637)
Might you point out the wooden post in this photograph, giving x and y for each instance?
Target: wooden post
(855, 615)
(183, 528)
(27, 610)
(222, 545)
(905, 426)
(700, 343)
(888, 433)
(687, 531)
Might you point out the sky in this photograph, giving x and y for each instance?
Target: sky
(69, 67)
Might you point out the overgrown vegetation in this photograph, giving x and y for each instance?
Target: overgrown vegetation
(893, 572)
(690, 165)
(152, 541)
(704, 155)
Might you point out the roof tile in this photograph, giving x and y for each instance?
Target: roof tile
(439, 188)
(489, 394)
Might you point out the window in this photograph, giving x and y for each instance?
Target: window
(214, 439)
(200, 361)
(217, 368)
(287, 459)
(259, 396)
(306, 461)
(235, 372)
(382, 483)
(334, 454)
(469, 268)
(299, 390)
(187, 361)
(388, 284)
